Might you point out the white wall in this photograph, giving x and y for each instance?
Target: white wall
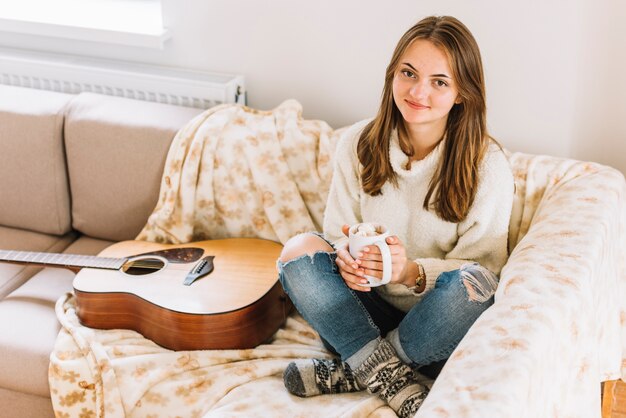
(555, 69)
(600, 117)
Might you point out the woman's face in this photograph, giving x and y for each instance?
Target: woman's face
(423, 88)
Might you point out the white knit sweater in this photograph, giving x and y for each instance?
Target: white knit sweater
(436, 244)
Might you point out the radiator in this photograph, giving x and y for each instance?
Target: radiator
(70, 74)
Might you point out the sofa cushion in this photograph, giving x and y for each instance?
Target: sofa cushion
(14, 275)
(29, 327)
(116, 150)
(33, 176)
(18, 404)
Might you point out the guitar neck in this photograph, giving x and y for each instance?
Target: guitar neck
(70, 261)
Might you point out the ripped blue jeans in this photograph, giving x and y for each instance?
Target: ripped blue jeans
(347, 320)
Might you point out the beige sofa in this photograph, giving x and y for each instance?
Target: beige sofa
(77, 172)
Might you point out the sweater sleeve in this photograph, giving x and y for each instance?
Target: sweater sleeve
(343, 205)
(482, 235)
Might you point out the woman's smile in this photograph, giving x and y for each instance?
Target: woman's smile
(416, 106)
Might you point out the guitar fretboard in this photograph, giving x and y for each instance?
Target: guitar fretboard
(68, 260)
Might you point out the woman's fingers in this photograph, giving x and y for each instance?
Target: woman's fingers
(370, 266)
(350, 271)
(354, 281)
(373, 250)
(366, 264)
(354, 286)
(392, 240)
(347, 260)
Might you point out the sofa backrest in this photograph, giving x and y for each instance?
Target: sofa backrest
(116, 150)
(34, 192)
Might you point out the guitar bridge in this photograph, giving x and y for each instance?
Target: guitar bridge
(201, 269)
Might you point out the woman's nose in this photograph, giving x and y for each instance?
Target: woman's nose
(419, 89)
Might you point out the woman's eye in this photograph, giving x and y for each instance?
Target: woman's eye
(408, 73)
(440, 83)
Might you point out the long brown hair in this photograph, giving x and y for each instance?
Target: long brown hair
(452, 189)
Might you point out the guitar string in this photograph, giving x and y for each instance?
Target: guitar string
(144, 264)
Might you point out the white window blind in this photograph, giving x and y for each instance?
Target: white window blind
(125, 22)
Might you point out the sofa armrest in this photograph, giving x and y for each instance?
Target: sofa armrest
(554, 332)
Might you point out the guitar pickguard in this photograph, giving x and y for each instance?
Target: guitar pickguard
(178, 255)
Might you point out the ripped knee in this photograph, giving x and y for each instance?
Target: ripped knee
(479, 281)
(302, 244)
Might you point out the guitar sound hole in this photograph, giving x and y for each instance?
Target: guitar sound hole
(143, 266)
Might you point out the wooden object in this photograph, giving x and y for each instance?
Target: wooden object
(614, 399)
(220, 294)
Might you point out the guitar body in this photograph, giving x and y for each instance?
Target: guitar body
(239, 304)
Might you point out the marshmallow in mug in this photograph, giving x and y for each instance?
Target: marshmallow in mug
(367, 230)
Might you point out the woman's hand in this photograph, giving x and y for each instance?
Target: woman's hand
(349, 268)
(369, 262)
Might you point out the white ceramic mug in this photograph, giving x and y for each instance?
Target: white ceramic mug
(357, 242)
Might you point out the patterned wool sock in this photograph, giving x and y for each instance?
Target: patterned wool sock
(313, 377)
(384, 374)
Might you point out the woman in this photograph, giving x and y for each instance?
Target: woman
(425, 168)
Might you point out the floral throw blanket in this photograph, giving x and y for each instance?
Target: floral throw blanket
(238, 172)
(118, 373)
(557, 329)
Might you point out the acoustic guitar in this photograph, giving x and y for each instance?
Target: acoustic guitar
(219, 294)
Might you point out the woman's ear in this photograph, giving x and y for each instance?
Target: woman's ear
(458, 100)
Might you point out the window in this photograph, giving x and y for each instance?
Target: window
(125, 22)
